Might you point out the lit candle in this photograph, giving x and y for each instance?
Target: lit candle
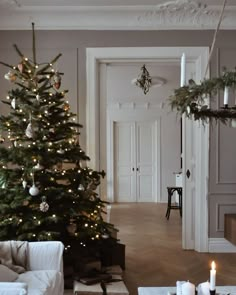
(213, 276)
(183, 70)
(226, 96)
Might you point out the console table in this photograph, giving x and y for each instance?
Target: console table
(164, 290)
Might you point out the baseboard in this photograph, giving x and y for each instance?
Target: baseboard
(221, 245)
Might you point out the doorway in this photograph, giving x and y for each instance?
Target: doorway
(195, 226)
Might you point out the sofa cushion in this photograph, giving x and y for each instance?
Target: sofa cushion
(6, 274)
(46, 282)
(13, 288)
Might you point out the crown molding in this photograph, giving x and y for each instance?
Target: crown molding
(174, 15)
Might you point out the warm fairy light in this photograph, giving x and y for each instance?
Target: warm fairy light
(20, 110)
(8, 124)
(39, 222)
(36, 66)
(24, 119)
(69, 190)
(39, 116)
(34, 217)
(14, 68)
(50, 143)
(8, 97)
(34, 235)
(45, 112)
(48, 76)
(86, 225)
(49, 150)
(49, 234)
(54, 215)
(50, 94)
(20, 220)
(34, 143)
(97, 236)
(48, 123)
(50, 65)
(29, 145)
(29, 71)
(34, 90)
(26, 59)
(52, 70)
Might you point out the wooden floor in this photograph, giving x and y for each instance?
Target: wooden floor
(154, 255)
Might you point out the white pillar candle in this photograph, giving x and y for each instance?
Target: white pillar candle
(183, 70)
(188, 289)
(213, 276)
(226, 95)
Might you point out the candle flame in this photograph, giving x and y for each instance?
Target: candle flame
(213, 265)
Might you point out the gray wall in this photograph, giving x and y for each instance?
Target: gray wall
(72, 44)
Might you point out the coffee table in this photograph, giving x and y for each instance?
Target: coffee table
(164, 290)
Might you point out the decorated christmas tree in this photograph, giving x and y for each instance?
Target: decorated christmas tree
(47, 190)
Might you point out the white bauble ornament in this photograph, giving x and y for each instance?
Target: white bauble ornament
(105, 236)
(29, 131)
(15, 143)
(20, 67)
(44, 206)
(60, 151)
(13, 103)
(24, 183)
(81, 187)
(10, 76)
(37, 97)
(38, 167)
(34, 191)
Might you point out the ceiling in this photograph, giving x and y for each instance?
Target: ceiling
(116, 14)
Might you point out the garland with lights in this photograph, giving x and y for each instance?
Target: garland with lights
(193, 99)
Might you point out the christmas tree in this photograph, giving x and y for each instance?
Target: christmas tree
(47, 193)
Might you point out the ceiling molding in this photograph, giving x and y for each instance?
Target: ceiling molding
(173, 15)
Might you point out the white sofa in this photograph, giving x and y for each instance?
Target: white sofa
(44, 275)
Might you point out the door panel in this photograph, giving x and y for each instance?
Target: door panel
(145, 161)
(124, 162)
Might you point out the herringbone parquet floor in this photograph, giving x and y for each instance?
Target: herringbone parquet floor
(154, 255)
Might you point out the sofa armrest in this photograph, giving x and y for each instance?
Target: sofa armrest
(13, 288)
(46, 255)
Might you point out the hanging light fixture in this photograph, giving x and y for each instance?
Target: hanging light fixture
(145, 81)
(192, 99)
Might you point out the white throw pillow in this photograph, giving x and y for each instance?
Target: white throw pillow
(7, 275)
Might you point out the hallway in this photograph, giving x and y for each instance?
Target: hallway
(154, 255)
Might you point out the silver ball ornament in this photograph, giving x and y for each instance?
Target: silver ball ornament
(34, 191)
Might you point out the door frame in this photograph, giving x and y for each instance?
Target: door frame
(196, 55)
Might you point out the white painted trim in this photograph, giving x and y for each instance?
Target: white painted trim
(110, 161)
(96, 55)
(221, 245)
(136, 17)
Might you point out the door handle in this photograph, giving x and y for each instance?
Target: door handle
(188, 173)
(132, 169)
(137, 169)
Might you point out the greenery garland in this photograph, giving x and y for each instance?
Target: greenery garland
(192, 99)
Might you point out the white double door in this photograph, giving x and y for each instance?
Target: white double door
(135, 161)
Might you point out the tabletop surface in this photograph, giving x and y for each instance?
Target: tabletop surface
(165, 290)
